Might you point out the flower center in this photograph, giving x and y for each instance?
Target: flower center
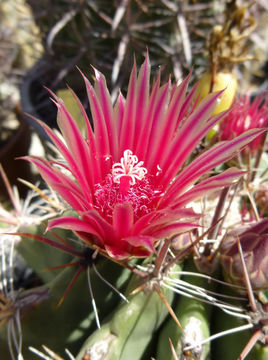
(128, 171)
(127, 182)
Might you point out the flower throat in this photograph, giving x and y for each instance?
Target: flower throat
(128, 182)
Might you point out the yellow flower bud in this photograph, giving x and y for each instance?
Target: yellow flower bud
(222, 80)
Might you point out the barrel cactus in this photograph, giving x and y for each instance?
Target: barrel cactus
(107, 34)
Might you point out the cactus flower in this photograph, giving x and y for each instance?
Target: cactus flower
(127, 180)
(245, 115)
(254, 244)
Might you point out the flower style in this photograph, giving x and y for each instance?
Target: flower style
(245, 115)
(127, 180)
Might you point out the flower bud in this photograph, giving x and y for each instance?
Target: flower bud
(245, 115)
(222, 80)
(254, 244)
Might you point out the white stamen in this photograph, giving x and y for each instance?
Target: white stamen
(159, 170)
(129, 166)
(247, 122)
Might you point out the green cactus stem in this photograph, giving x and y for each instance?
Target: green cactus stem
(194, 317)
(67, 325)
(131, 327)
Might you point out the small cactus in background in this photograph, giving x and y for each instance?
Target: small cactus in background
(107, 34)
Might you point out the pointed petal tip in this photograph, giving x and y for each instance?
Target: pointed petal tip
(147, 57)
(190, 73)
(78, 68)
(23, 158)
(98, 74)
(134, 67)
(32, 159)
(81, 73)
(40, 122)
(54, 98)
(121, 97)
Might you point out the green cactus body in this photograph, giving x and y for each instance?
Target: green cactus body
(230, 346)
(261, 352)
(194, 318)
(67, 325)
(127, 333)
(107, 34)
(40, 256)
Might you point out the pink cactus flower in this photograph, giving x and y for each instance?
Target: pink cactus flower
(245, 115)
(127, 180)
